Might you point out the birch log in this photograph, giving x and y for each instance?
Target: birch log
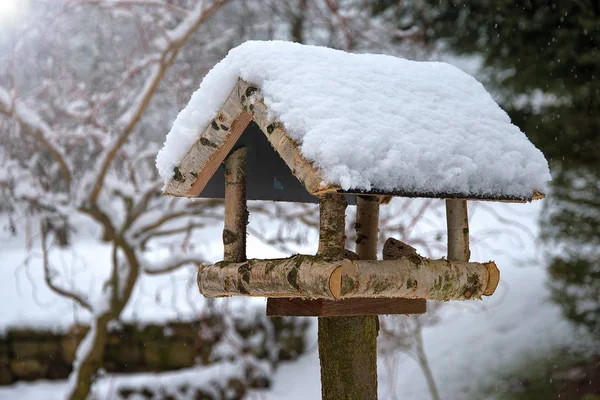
(347, 344)
(316, 278)
(236, 210)
(457, 221)
(204, 157)
(280, 140)
(367, 227)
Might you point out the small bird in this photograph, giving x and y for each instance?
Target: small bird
(277, 185)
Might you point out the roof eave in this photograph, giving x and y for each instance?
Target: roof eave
(216, 141)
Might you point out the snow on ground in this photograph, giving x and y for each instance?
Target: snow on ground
(105, 387)
(155, 299)
(431, 127)
(474, 343)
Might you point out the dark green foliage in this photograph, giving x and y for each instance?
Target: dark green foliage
(542, 59)
(535, 46)
(571, 224)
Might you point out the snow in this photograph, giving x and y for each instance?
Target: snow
(478, 340)
(156, 299)
(476, 343)
(373, 122)
(207, 378)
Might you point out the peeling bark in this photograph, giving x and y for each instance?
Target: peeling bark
(457, 220)
(316, 278)
(367, 227)
(347, 345)
(236, 211)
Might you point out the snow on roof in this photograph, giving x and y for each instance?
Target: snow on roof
(373, 122)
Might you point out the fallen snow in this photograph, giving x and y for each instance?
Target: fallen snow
(373, 121)
(156, 299)
(474, 344)
(177, 384)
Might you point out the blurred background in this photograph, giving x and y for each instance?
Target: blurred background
(97, 268)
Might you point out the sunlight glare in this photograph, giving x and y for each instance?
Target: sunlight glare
(11, 11)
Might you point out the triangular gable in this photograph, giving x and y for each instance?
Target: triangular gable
(243, 105)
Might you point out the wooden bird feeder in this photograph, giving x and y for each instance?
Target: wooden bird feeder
(245, 153)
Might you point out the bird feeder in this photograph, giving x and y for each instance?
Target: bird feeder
(286, 122)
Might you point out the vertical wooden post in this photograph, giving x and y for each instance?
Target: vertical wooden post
(367, 227)
(236, 211)
(347, 345)
(457, 220)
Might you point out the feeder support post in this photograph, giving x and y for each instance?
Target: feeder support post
(236, 210)
(457, 220)
(367, 227)
(347, 345)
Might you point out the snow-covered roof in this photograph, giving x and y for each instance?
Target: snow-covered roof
(364, 123)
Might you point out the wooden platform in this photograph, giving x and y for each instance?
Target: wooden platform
(282, 307)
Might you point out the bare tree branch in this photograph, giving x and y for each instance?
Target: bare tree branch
(130, 118)
(32, 125)
(78, 298)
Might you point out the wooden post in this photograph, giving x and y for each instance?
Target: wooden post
(347, 345)
(367, 227)
(236, 211)
(457, 220)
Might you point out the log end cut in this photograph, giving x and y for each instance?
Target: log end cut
(493, 278)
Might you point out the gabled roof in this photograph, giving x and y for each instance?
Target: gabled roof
(356, 124)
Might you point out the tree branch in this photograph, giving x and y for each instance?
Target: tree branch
(130, 118)
(34, 126)
(78, 298)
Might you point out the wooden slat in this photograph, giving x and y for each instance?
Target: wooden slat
(210, 167)
(449, 196)
(286, 147)
(212, 146)
(280, 307)
(457, 222)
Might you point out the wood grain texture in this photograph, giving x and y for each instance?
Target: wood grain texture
(236, 210)
(211, 148)
(214, 161)
(493, 280)
(280, 307)
(286, 147)
(457, 222)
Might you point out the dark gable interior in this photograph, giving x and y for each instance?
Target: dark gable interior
(269, 178)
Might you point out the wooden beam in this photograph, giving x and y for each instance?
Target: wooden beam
(214, 161)
(215, 142)
(347, 345)
(285, 146)
(236, 210)
(281, 307)
(367, 227)
(536, 195)
(457, 221)
(316, 278)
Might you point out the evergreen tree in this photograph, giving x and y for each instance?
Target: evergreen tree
(543, 60)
